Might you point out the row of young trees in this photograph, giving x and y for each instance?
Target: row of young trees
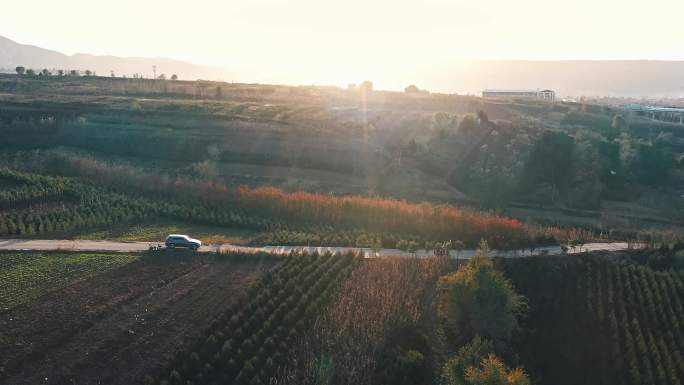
(35, 199)
(249, 343)
(602, 321)
(39, 204)
(302, 210)
(68, 218)
(23, 189)
(642, 312)
(378, 214)
(330, 236)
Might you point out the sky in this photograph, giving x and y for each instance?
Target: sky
(337, 42)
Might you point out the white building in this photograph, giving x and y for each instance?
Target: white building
(547, 95)
(663, 114)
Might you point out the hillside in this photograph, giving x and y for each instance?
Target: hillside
(91, 157)
(341, 193)
(618, 173)
(574, 78)
(13, 54)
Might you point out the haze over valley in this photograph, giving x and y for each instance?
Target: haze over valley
(570, 78)
(307, 192)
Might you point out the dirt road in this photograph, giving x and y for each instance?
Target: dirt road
(86, 245)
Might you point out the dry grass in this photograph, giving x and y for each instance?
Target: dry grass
(379, 296)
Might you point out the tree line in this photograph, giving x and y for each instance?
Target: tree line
(220, 204)
(23, 71)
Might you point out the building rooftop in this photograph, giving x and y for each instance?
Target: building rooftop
(510, 90)
(639, 107)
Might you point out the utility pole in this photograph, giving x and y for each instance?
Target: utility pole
(154, 71)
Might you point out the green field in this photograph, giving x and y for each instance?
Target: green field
(25, 276)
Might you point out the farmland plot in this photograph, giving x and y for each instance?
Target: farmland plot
(251, 341)
(115, 326)
(26, 276)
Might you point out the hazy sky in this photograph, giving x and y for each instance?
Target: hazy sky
(349, 40)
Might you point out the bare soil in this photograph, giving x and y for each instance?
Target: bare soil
(116, 327)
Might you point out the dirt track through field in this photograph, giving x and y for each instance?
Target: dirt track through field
(86, 245)
(114, 328)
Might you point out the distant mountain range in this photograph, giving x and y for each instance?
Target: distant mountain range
(13, 54)
(619, 78)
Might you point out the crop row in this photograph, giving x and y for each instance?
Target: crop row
(251, 340)
(44, 204)
(641, 310)
(63, 218)
(31, 189)
(321, 235)
(301, 209)
(602, 321)
(25, 276)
